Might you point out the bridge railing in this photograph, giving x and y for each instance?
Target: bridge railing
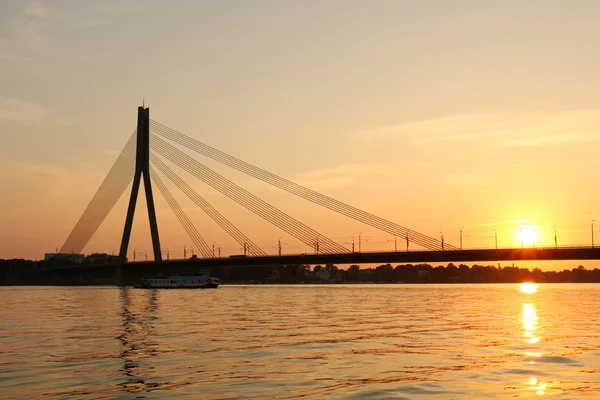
(324, 255)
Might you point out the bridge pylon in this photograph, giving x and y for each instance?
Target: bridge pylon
(142, 168)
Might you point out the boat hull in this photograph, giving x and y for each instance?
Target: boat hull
(179, 282)
(208, 286)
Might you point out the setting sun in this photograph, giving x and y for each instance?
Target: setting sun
(528, 235)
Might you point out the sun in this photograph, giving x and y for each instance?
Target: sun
(528, 235)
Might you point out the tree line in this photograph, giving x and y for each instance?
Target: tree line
(412, 273)
(29, 272)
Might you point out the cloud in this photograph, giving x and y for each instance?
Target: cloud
(428, 165)
(342, 175)
(448, 126)
(500, 129)
(464, 179)
(35, 8)
(509, 222)
(36, 28)
(564, 138)
(28, 114)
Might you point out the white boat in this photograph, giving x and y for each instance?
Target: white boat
(180, 282)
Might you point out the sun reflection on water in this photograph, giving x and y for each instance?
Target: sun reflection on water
(530, 321)
(528, 287)
(536, 385)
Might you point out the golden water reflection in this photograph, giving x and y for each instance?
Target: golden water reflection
(528, 287)
(530, 321)
(536, 385)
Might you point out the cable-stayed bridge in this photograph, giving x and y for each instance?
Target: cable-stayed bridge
(151, 153)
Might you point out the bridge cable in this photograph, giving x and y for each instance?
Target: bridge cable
(301, 191)
(199, 242)
(277, 217)
(97, 211)
(308, 194)
(261, 208)
(223, 222)
(107, 195)
(266, 211)
(181, 216)
(412, 237)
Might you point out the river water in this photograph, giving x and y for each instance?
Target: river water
(286, 342)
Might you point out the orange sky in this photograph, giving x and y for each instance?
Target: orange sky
(436, 115)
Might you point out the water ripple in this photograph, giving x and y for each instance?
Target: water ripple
(288, 342)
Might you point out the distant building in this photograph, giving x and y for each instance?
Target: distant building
(64, 257)
(101, 258)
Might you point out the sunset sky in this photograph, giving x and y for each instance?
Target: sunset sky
(436, 115)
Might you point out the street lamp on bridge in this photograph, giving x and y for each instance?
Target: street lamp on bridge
(496, 238)
(555, 239)
(279, 246)
(461, 229)
(442, 238)
(593, 233)
(359, 241)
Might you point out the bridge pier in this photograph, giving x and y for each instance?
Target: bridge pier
(142, 168)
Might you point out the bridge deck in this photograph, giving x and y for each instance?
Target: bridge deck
(479, 255)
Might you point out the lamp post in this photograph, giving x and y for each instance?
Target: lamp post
(279, 246)
(442, 237)
(359, 241)
(555, 239)
(353, 244)
(395, 244)
(461, 229)
(593, 233)
(496, 238)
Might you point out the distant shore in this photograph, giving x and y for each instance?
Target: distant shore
(33, 273)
